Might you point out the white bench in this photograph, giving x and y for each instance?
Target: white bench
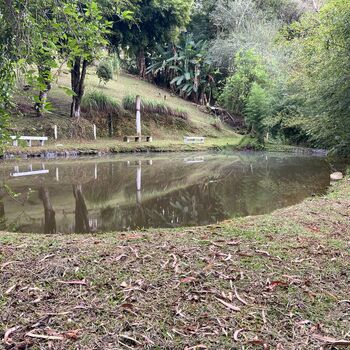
(29, 140)
(194, 139)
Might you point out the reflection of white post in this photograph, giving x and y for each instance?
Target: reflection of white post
(150, 162)
(30, 167)
(57, 175)
(138, 117)
(138, 183)
(95, 171)
(55, 131)
(42, 166)
(16, 169)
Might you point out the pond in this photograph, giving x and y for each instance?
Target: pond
(128, 192)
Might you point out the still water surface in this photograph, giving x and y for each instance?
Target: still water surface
(131, 192)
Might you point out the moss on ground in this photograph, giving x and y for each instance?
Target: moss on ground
(278, 281)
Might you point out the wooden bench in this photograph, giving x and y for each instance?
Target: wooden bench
(137, 138)
(194, 139)
(29, 140)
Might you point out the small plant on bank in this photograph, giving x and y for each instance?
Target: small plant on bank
(98, 101)
(104, 71)
(153, 107)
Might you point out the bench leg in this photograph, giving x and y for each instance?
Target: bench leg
(29, 142)
(42, 143)
(15, 143)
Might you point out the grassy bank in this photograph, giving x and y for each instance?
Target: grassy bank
(117, 146)
(278, 281)
(161, 125)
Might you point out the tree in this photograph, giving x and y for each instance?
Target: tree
(321, 47)
(83, 34)
(249, 69)
(257, 108)
(154, 22)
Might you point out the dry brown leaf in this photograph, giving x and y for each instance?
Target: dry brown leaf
(239, 297)
(275, 284)
(330, 340)
(187, 279)
(73, 334)
(10, 289)
(228, 305)
(197, 347)
(44, 336)
(7, 339)
(237, 333)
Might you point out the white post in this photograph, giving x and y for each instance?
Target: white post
(55, 131)
(138, 117)
(95, 132)
(57, 175)
(95, 171)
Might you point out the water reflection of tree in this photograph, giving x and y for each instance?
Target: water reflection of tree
(2, 211)
(49, 213)
(81, 212)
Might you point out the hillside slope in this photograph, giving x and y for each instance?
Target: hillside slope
(125, 84)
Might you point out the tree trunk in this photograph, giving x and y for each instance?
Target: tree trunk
(50, 215)
(141, 63)
(78, 74)
(44, 74)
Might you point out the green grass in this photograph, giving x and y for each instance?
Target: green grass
(116, 90)
(107, 145)
(161, 289)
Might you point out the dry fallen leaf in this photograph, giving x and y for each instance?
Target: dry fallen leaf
(228, 305)
(7, 339)
(275, 284)
(237, 333)
(187, 280)
(44, 336)
(330, 340)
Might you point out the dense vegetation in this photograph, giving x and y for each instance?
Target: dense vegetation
(281, 66)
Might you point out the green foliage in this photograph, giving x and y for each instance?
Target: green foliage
(186, 69)
(257, 108)
(248, 70)
(98, 101)
(154, 22)
(104, 71)
(153, 107)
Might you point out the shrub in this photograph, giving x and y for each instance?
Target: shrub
(115, 63)
(104, 71)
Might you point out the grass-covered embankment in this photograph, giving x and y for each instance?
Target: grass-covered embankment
(108, 145)
(278, 281)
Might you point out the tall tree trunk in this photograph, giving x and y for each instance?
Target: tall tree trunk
(2, 212)
(81, 212)
(78, 75)
(50, 215)
(141, 63)
(44, 76)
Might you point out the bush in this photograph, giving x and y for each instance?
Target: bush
(115, 63)
(104, 71)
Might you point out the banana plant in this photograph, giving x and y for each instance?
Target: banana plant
(186, 69)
